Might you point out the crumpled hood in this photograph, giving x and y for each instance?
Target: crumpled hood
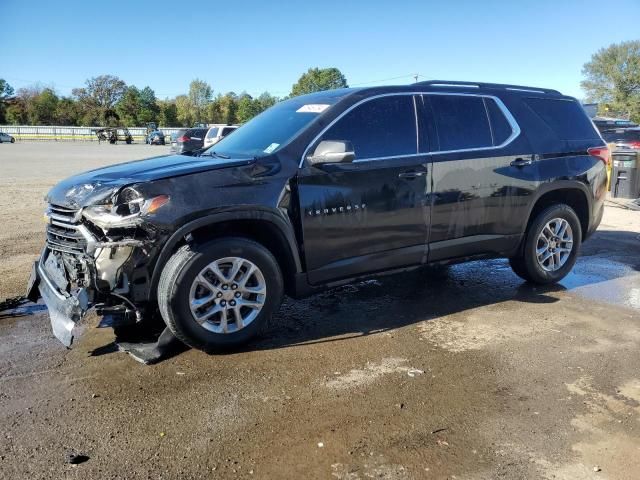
(95, 186)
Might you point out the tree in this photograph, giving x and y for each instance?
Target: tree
(248, 108)
(318, 79)
(613, 79)
(228, 104)
(183, 111)
(98, 99)
(6, 91)
(266, 100)
(67, 112)
(149, 109)
(129, 106)
(168, 113)
(200, 93)
(42, 108)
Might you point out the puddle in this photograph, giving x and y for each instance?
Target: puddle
(21, 310)
(605, 280)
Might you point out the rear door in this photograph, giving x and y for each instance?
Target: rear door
(372, 214)
(481, 178)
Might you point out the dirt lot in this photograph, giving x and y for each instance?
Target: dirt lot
(465, 373)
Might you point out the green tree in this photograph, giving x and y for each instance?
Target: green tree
(6, 91)
(318, 79)
(184, 113)
(168, 113)
(149, 109)
(266, 100)
(248, 108)
(228, 104)
(129, 106)
(98, 99)
(200, 93)
(612, 78)
(17, 112)
(42, 108)
(67, 112)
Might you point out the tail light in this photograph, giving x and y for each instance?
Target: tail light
(634, 144)
(183, 139)
(600, 152)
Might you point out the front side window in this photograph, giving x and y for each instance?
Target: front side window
(212, 133)
(461, 122)
(378, 128)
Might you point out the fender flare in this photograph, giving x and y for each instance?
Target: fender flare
(261, 214)
(560, 185)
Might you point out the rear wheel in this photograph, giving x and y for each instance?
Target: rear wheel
(551, 246)
(13, 140)
(219, 294)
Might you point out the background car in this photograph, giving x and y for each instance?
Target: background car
(188, 140)
(155, 137)
(217, 133)
(5, 137)
(623, 137)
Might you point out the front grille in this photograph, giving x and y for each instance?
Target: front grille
(63, 234)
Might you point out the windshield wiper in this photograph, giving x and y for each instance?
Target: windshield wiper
(215, 154)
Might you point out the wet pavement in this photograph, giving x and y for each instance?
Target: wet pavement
(464, 372)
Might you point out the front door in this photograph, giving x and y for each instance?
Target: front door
(372, 214)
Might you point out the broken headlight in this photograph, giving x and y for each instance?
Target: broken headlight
(126, 211)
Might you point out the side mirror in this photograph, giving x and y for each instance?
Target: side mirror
(333, 151)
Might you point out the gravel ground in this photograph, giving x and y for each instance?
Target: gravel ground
(460, 373)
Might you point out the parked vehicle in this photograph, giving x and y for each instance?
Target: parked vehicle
(217, 133)
(604, 124)
(188, 140)
(624, 138)
(156, 137)
(6, 138)
(320, 190)
(114, 135)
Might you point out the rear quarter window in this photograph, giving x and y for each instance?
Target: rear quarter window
(461, 122)
(565, 118)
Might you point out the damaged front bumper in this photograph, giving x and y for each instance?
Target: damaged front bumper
(66, 311)
(79, 270)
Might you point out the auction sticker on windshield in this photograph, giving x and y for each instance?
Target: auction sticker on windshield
(313, 108)
(271, 147)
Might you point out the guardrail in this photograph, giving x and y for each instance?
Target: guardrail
(80, 134)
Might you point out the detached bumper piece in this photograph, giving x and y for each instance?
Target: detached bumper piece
(65, 311)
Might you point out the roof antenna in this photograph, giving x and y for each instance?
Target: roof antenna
(415, 76)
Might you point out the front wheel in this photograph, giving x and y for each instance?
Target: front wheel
(13, 140)
(219, 294)
(551, 245)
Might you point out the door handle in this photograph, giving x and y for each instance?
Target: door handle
(411, 174)
(521, 162)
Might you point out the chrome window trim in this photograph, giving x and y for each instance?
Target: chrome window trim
(515, 128)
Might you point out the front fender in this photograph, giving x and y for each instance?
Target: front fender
(278, 219)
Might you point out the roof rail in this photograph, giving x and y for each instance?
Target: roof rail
(517, 88)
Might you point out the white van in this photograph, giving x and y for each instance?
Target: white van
(216, 133)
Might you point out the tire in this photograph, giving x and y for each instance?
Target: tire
(13, 140)
(559, 261)
(179, 287)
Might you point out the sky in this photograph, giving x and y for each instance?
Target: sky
(258, 46)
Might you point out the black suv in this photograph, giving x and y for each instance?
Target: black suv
(320, 190)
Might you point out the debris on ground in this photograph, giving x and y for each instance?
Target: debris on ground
(74, 458)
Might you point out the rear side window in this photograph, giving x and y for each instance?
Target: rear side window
(565, 117)
(227, 131)
(500, 127)
(461, 122)
(382, 127)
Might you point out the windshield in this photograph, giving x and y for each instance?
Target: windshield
(272, 129)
